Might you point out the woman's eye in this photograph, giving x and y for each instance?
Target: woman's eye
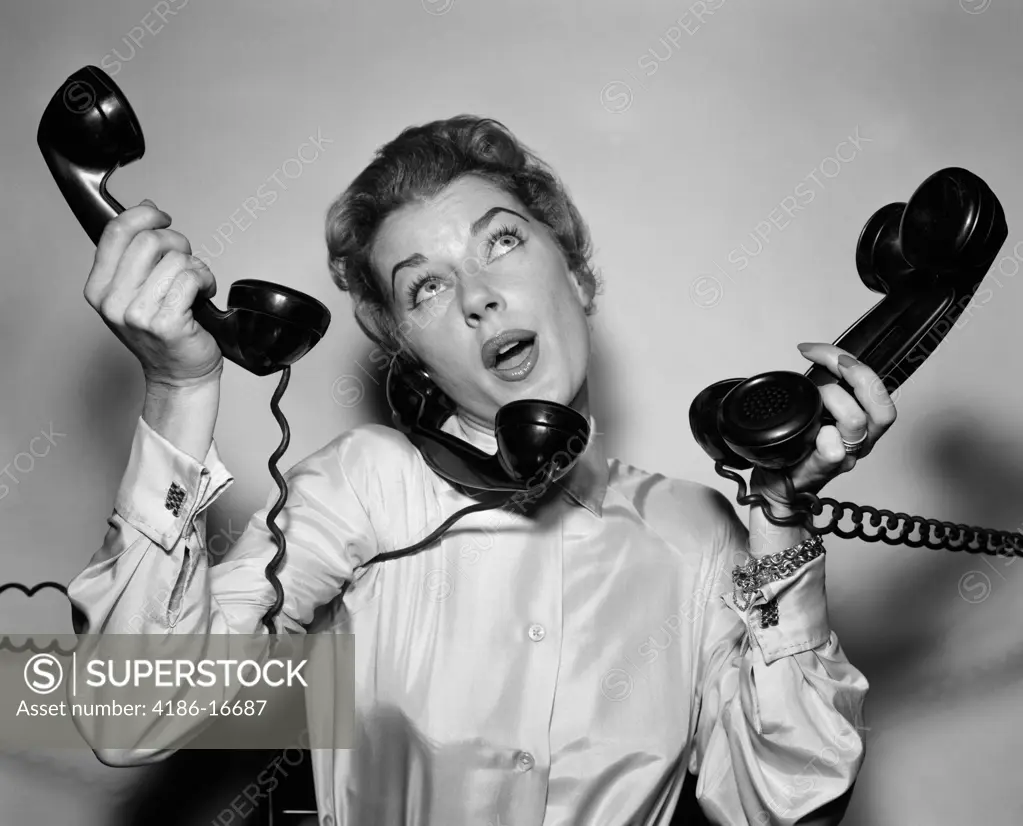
(502, 245)
(428, 290)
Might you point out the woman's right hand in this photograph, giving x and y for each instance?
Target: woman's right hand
(143, 283)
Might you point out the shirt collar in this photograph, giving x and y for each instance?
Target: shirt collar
(586, 482)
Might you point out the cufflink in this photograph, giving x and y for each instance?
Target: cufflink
(175, 496)
(769, 613)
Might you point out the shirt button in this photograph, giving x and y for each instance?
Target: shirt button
(526, 761)
(536, 632)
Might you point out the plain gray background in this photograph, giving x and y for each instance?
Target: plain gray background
(680, 134)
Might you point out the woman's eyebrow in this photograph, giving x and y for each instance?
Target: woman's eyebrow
(480, 223)
(475, 228)
(413, 260)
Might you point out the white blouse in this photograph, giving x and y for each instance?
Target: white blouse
(562, 668)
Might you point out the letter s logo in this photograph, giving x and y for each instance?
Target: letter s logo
(43, 673)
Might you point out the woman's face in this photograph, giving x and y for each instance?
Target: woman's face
(467, 266)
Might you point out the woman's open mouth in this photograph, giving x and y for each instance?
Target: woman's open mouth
(512, 355)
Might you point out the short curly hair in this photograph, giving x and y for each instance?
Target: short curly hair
(418, 165)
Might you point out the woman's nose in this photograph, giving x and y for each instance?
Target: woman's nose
(479, 297)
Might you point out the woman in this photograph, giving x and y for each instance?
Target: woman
(569, 663)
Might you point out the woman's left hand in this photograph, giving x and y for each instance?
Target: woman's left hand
(868, 413)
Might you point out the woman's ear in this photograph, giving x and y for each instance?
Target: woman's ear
(367, 316)
(583, 293)
(585, 288)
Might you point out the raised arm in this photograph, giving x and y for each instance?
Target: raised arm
(152, 574)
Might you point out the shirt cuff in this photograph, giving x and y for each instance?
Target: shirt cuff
(164, 489)
(802, 613)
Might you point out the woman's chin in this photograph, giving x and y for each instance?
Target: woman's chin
(538, 385)
(542, 389)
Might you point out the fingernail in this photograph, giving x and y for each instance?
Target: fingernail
(147, 201)
(846, 361)
(804, 346)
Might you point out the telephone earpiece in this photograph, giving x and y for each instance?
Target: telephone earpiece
(86, 132)
(538, 441)
(927, 257)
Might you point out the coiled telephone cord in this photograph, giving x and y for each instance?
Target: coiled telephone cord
(271, 518)
(898, 528)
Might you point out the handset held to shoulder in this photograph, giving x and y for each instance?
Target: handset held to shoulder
(927, 257)
(537, 441)
(86, 132)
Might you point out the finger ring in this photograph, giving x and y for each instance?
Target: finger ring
(854, 448)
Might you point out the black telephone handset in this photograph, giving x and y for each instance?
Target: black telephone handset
(537, 441)
(928, 257)
(86, 132)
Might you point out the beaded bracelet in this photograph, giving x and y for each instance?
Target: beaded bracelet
(756, 573)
